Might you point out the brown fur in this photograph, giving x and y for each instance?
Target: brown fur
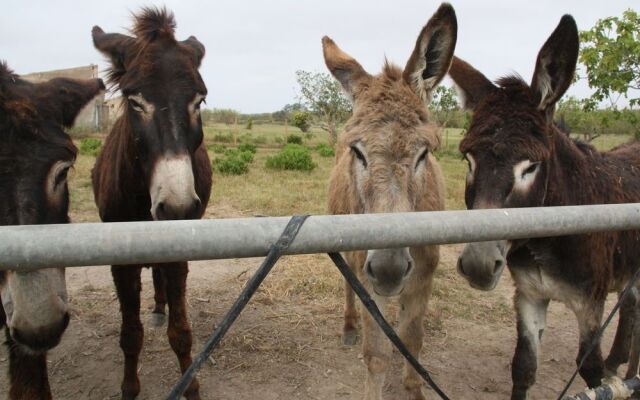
(390, 124)
(512, 123)
(32, 142)
(165, 72)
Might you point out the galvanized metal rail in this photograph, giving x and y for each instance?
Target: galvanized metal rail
(29, 247)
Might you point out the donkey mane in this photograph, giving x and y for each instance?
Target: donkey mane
(152, 23)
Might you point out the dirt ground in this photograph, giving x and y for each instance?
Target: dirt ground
(286, 344)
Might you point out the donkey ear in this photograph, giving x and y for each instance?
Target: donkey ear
(342, 66)
(197, 47)
(115, 46)
(431, 57)
(70, 96)
(556, 64)
(472, 85)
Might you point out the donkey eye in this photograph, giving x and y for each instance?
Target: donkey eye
(530, 169)
(359, 155)
(136, 105)
(422, 158)
(200, 103)
(61, 177)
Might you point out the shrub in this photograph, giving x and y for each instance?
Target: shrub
(249, 123)
(223, 137)
(90, 146)
(325, 150)
(279, 140)
(292, 157)
(245, 156)
(231, 166)
(301, 120)
(294, 139)
(217, 148)
(247, 147)
(234, 162)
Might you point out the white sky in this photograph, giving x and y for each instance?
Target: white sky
(255, 47)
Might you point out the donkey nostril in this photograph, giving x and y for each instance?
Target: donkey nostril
(161, 206)
(368, 270)
(409, 268)
(498, 265)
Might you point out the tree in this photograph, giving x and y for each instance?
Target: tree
(249, 123)
(611, 54)
(443, 105)
(287, 110)
(323, 96)
(301, 120)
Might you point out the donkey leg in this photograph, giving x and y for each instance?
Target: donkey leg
(376, 349)
(531, 321)
(350, 328)
(589, 319)
(158, 316)
(178, 329)
(128, 286)
(27, 374)
(413, 304)
(634, 351)
(619, 353)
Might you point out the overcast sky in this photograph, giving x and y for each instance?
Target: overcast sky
(255, 47)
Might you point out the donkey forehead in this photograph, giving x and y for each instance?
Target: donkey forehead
(164, 68)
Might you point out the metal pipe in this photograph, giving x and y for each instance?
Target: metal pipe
(29, 247)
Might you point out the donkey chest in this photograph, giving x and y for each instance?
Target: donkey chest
(544, 281)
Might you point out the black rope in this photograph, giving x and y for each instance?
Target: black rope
(289, 234)
(373, 309)
(595, 341)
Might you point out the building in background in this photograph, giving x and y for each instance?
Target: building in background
(94, 115)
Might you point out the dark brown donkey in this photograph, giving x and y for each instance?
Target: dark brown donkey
(35, 156)
(154, 166)
(517, 158)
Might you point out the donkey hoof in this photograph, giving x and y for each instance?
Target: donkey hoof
(350, 338)
(158, 320)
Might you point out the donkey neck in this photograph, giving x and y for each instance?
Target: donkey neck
(574, 172)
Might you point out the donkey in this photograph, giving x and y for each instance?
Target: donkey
(518, 158)
(154, 166)
(384, 163)
(35, 157)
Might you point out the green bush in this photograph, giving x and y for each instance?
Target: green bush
(249, 123)
(279, 140)
(234, 162)
(217, 148)
(223, 137)
(292, 157)
(231, 166)
(90, 146)
(248, 147)
(294, 139)
(325, 150)
(245, 156)
(301, 120)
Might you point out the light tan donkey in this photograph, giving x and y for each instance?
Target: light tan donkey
(384, 164)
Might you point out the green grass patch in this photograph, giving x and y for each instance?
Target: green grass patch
(90, 146)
